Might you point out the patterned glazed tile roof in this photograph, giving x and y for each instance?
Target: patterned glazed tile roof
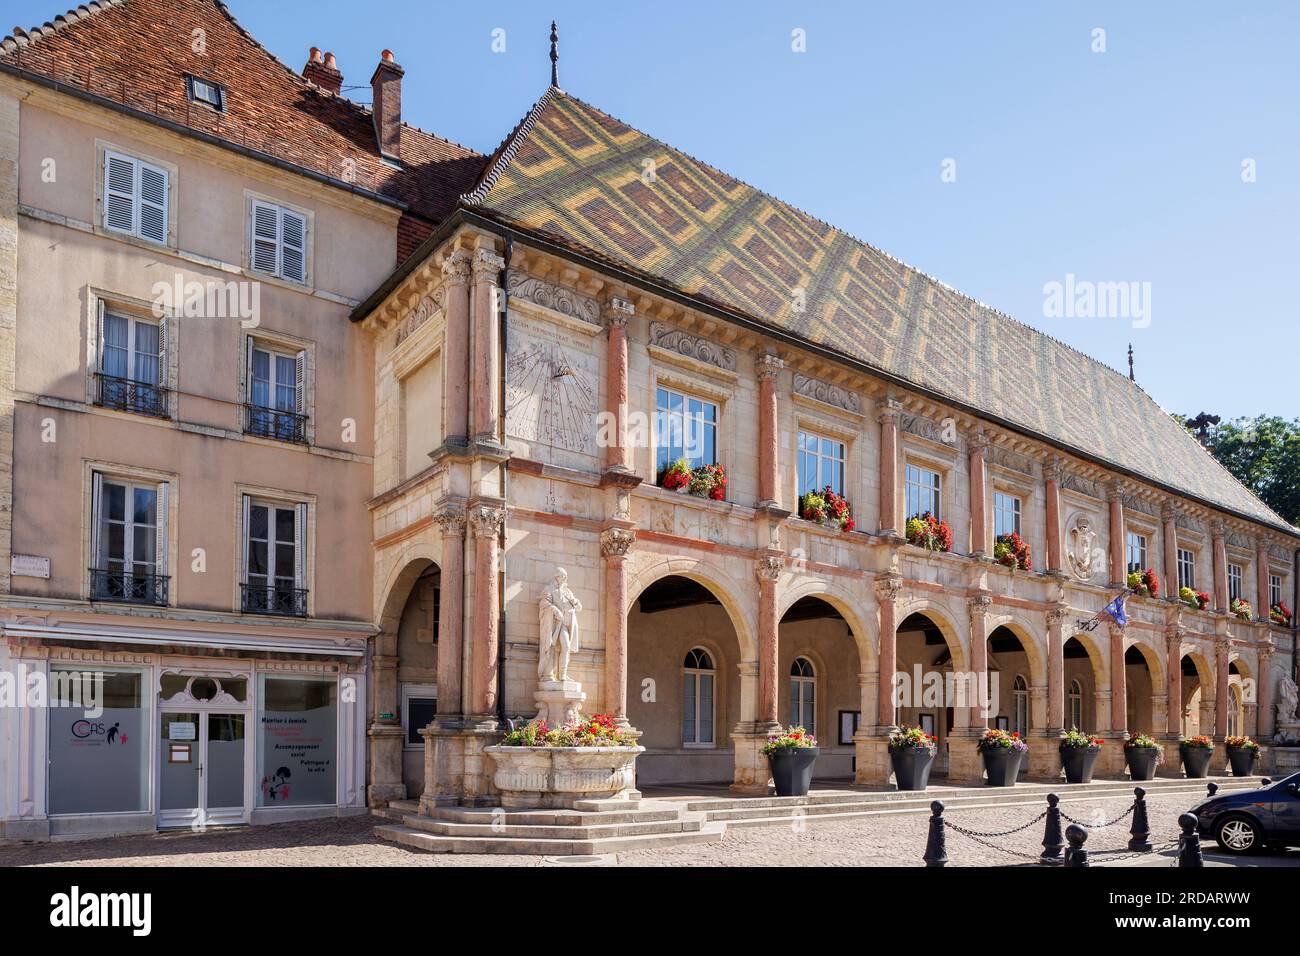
(138, 53)
(576, 176)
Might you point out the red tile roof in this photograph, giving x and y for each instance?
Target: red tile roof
(138, 53)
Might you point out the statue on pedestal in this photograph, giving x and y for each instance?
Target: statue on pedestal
(1288, 725)
(559, 698)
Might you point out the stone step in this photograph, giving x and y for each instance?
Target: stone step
(410, 806)
(659, 813)
(433, 843)
(686, 822)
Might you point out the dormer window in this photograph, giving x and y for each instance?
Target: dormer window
(211, 94)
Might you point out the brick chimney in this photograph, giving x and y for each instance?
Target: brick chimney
(387, 87)
(324, 74)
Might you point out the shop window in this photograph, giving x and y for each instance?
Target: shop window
(98, 748)
(298, 742)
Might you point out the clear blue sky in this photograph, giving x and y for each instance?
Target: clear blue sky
(1117, 166)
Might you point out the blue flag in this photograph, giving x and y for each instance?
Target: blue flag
(1116, 610)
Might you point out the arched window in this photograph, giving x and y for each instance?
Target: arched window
(697, 698)
(803, 695)
(1075, 716)
(1020, 706)
(1234, 711)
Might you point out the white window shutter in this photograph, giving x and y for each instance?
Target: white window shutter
(99, 335)
(164, 380)
(160, 529)
(119, 193)
(248, 370)
(243, 551)
(300, 381)
(300, 546)
(265, 228)
(293, 251)
(153, 202)
(96, 516)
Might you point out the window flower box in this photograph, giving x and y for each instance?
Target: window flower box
(927, 531)
(703, 481)
(1280, 614)
(1144, 583)
(1012, 551)
(1241, 610)
(1197, 600)
(827, 508)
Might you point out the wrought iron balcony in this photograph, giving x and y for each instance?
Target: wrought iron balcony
(128, 587)
(277, 599)
(129, 395)
(273, 423)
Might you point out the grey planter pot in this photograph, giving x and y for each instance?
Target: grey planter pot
(1196, 760)
(911, 767)
(1002, 766)
(792, 769)
(1141, 762)
(1078, 763)
(1243, 761)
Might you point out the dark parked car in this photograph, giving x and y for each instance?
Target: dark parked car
(1247, 820)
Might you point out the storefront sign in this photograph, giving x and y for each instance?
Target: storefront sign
(178, 753)
(29, 566)
(179, 731)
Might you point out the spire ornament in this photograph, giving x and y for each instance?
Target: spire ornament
(555, 56)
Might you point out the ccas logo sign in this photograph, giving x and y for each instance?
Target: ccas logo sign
(97, 730)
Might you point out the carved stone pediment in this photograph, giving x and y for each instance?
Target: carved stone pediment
(428, 307)
(1083, 486)
(927, 428)
(828, 394)
(1006, 458)
(548, 295)
(697, 347)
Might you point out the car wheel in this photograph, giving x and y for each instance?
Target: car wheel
(1239, 835)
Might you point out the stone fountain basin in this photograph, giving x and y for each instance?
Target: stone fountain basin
(556, 777)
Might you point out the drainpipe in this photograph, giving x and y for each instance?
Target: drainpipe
(1295, 598)
(503, 302)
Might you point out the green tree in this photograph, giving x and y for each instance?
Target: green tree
(1264, 455)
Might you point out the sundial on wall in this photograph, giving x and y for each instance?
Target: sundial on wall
(550, 396)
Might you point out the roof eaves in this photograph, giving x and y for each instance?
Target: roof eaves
(505, 153)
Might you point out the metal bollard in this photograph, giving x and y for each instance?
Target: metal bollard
(1212, 788)
(1189, 844)
(1076, 855)
(1140, 833)
(1052, 842)
(936, 844)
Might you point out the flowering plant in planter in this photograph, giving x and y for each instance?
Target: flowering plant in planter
(704, 481)
(826, 507)
(1076, 739)
(1194, 599)
(913, 738)
(791, 739)
(1241, 742)
(596, 731)
(927, 531)
(1013, 551)
(1279, 613)
(1242, 609)
(995, 740)
(1144, 583)
(1145, 742)
(1199, 742)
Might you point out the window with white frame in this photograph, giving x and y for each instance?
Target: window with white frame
(277, 394)
(136, 197)
(278, 241)
(1137, 551)
(1006, 514)
(921, 491)
(128, 544)
(697, 698)
(1274, 589)
(820, 463)
(205, 91)
(1020, 706)
(1075, 702)
(1186, 568)
(132, 363)
(685, 427)
(275, 577)
(803, 695)
(1234, 581)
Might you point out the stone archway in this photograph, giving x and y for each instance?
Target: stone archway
(1144, 682)
(1085, 668)
(932, 669)
(1197, 715)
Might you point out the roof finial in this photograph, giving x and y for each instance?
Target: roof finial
(1130, 363)
(555, 56)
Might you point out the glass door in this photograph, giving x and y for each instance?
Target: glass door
(223, 774)
(179, 764)
(201, 769)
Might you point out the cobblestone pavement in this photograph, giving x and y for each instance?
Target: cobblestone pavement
(891, 840)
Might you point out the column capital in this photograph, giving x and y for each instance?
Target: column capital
(616, 542)
(888, 410)
(486, 265)
(1218, 528)
(888, 588)
(978, 442)
(768, 366)
(1116, 630)
(769, 567)
(979, 603)
(1264, 652)
(486, 521)
(1054, 469)
(451, 522)
(617, 311)
(456, 267)
(1115, 492)
(1169, 512)
(1057, 615)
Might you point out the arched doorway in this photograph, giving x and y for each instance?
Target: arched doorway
(1141, 678)
(684, 692)
(1198, 696)
(1083, 676)
(930, 657)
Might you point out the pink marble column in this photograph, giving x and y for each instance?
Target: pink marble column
(1221, 566)
(451, 611)
(485, 526)
(1169, 540)
(487, 267)
(1056, 619)
(1174, 671)
(978, 606)
(979, 505)
(1264, 691)
(887, 590)
(1118, 571)
(768, 571)
(1223, 649)
(456, 273)
(614, 546)
(889, 517)
(1261, 580)
(1052, 474)
(1118, 681)
(618, 456)
(769, 495)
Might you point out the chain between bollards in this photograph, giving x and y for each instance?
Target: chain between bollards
(936, 844)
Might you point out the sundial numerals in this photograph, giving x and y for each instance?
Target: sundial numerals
(550, 398)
